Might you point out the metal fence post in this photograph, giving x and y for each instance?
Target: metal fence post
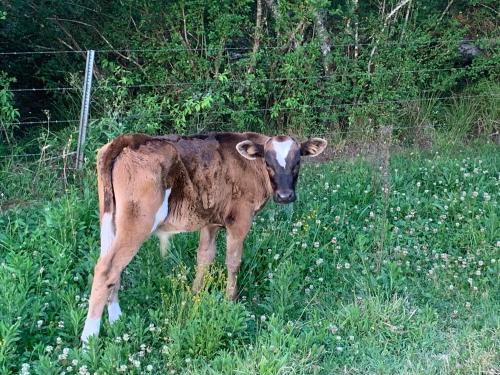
(84, 112)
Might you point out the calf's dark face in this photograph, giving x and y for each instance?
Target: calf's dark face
(282, 155)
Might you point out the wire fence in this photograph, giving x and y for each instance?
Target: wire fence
(258, 80)
(61, 161)
(229, 111)
(426, 42)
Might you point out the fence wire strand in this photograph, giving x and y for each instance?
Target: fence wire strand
(250, 81)
(244, 48)
(270, 109)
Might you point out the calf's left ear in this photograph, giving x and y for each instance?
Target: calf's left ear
(250, 150)
(313, 147)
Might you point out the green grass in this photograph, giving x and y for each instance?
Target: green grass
(340, 282)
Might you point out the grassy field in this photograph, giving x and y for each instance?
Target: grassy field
(348, 280)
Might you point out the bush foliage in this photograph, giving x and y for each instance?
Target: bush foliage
(306, 67)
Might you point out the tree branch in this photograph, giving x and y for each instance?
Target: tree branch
(256, 39)
(446, 10)
(100, 35)
(319, 22)
(391, 14)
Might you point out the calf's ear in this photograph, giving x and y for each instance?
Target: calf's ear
(250, 150)
(313, 147)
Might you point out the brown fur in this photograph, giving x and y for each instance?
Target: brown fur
(211, 186)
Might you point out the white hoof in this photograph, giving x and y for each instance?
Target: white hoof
(91, 328)
(114, 312)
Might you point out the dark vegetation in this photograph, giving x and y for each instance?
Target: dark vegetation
(272, 66)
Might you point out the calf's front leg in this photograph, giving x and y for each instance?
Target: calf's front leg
(236, 234)
(205, 255)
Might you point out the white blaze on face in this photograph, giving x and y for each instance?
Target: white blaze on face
(107, 235)
(162, 212)
(282, 149)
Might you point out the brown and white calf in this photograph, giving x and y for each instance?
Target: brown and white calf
(170, 184)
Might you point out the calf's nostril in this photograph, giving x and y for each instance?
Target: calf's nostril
(286, 194)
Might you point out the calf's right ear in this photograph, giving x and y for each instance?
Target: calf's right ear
(250, 150)
(313, 147)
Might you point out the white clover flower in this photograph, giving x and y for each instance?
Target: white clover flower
(25, 369)
(39, 323)
(149, 368)
(319, 261)
(49, 348)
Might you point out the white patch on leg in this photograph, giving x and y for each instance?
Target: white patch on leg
(282, 149)
(162, 212)
(91, 328)
(107, 235)
(114, 311)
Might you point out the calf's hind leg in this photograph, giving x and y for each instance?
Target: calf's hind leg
(107, 277)
(131, 231)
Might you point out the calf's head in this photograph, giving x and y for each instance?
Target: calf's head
(282, 155)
